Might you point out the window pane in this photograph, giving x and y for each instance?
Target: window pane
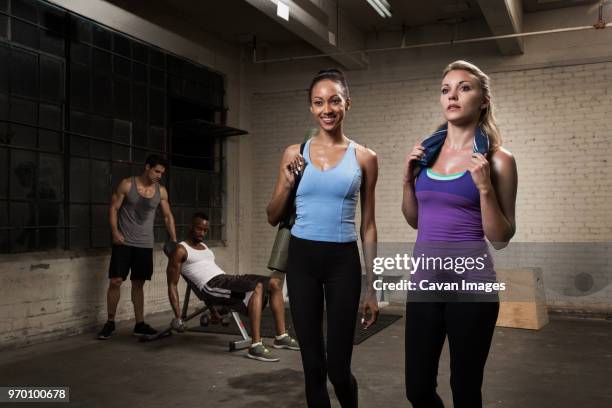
(25, 9)
(101, 61)
(3, 26)
(175, 66)
(50, 116)
(119, 171)
(51, 178)
(122, 133)
(50, 238)
(24, 33)
(122, 67)
(157, 78)
(24, 73)
(79, 180)
(216, 197)
(4, 108)
(103, 95)
(204, 189)
(23, 111)
(103, 127)
(51, 42)
(79, 86)
(80, 53)
(81, 29)
(122, 99)
(80, 122)
(23, 172)
(122, 45)
(175, 85)
(139, 73)
(4, 173)
(5, 63)
(101, 37)
(157, 58)
(100, 181)
(79, 146)
(50, 141)
(100, 149)
(157, 138)
(4, 214)
(140, 52)
(183, 187)
(23, 215)
(101, 237)
(52, 18)
(51, 79)
(79, 219)
(24, 136)
(157, 107)
(139, 135)
(139, 103)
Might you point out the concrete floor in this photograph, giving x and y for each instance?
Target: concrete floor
(566, 364)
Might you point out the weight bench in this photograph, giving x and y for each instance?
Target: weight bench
(208, 303)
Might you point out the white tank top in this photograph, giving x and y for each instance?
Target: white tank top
(200, 266)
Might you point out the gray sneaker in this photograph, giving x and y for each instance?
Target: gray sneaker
(287, 342)
(261, 353)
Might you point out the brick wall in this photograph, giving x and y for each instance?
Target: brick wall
(556, 121)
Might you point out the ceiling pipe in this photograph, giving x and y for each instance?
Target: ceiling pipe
(598, 25)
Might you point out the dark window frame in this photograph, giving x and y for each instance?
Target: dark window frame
(127, 59)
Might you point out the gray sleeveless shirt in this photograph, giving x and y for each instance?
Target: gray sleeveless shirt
(137, 216)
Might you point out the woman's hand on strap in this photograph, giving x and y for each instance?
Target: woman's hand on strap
(411, 162)
(292, 166)
(480, 170)
(291, 162)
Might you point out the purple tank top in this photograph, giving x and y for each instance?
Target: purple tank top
(450, 225)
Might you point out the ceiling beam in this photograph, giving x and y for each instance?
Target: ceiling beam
(505, 17)
(318, 27)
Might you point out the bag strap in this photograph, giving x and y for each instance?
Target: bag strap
(289, 218)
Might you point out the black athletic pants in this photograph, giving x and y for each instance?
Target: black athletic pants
(327, 272)
(469, 327)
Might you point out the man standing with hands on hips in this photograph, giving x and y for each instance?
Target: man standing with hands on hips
(132, 216)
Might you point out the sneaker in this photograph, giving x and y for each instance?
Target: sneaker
(286, 342)
(259, 352)
(142, 328)
(107, 330)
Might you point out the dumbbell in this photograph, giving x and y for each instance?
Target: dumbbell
(205, 319)
(169, 248)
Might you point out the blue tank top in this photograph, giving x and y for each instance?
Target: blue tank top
(326, 200)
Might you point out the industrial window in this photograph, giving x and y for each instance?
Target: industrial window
(81, 106)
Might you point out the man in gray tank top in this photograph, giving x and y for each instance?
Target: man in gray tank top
(132, 216)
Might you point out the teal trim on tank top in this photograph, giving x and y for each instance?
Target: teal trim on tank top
(444, 177)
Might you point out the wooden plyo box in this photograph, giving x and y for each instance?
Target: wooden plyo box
(523, 304)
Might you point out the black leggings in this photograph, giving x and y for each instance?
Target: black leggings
(469, 326)
(327, 272)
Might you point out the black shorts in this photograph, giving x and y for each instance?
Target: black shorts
(233, 291)
(125, 258)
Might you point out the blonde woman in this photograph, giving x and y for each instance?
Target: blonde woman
(459, 187)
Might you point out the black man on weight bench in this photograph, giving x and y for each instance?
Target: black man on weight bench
(243, 293)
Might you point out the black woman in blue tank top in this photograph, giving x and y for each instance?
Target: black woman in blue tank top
(459, 189)
(324, 270)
